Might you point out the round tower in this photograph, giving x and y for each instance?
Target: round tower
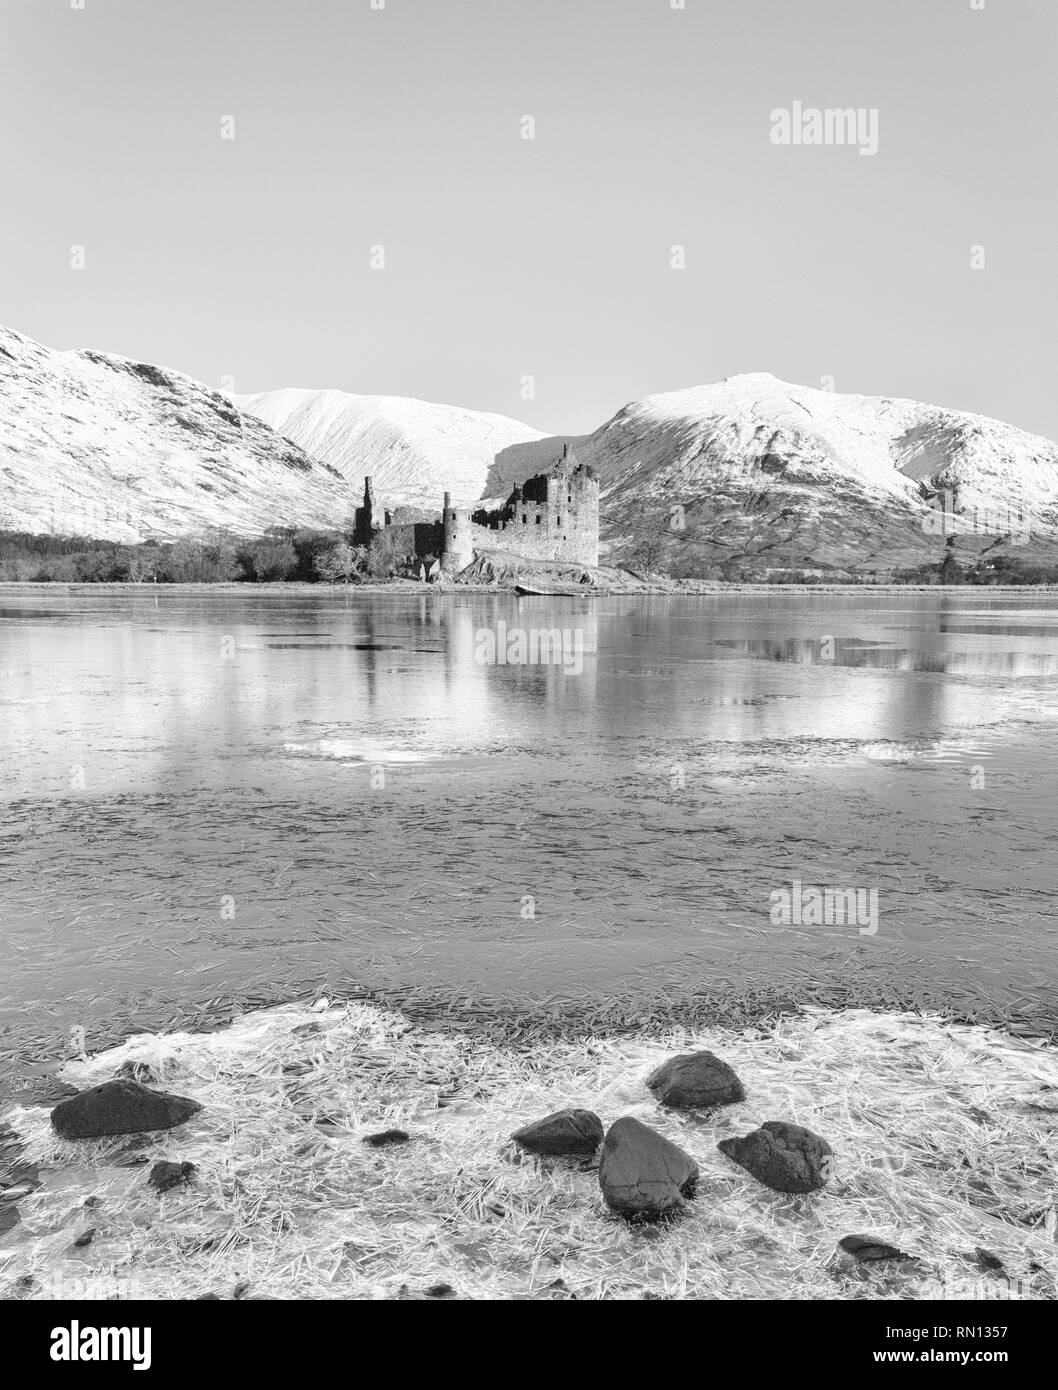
(458, 546)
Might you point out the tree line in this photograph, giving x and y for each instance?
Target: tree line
(282, 554)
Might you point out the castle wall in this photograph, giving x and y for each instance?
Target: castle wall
(557, 536)
(419, 538)
(551, 517)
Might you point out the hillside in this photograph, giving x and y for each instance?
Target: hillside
(94, 444)
(751, 470)
(788, 475)
(412, 450)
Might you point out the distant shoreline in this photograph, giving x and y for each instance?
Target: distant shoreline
(686, 588)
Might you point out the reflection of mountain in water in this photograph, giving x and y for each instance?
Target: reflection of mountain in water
(853, 651)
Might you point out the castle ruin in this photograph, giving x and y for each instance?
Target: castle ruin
(552, 516)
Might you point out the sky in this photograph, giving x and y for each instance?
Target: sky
(381, 221)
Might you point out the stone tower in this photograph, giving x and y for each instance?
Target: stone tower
(458, 545)
(364, 520)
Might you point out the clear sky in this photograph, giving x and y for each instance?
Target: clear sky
(505, 258)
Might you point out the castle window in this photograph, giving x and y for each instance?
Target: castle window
(525, 518)
(538, 518)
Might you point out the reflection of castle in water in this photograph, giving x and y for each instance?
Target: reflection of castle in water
(553, 516)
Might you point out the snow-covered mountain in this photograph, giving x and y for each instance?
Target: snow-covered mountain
(757, 467)
(751, 468)
(92, 444)
(413, 451)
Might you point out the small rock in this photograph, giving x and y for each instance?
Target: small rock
(119, 1107)
(784, 1156)
(165, 1175)
(696, 1081)
(85, 1238)
(93, 1201)
(566, 1132)
(870, 1250)
(641, 1173)
(987, 1260)
(440, 1291)
(558, 1288)
(207, 1297)
(386, 1137)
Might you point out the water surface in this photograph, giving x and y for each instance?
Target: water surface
(242, 796)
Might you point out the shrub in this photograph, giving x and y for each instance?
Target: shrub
(268, 561)
(386, 556)
(337, 564)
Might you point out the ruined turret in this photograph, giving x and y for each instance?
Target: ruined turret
(364, 522)
(458, 544)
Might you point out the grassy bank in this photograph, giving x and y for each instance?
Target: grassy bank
(944, 1137)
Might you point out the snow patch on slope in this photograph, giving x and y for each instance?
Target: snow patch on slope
(413, 451)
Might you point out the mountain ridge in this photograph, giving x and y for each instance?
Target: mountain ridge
(749, 468)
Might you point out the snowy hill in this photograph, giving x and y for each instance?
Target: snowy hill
(791, 475)
(751, 468)
(412, 450)
(98, 445)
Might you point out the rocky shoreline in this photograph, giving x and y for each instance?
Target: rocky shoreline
(340, 1150)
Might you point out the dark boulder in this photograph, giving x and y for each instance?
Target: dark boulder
(166, 1175)
(696, 1081)
(120, 1107)
(641, 1173)
(786, 1157)
(870, 1250)
(576, 1133)
(386, 1137)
